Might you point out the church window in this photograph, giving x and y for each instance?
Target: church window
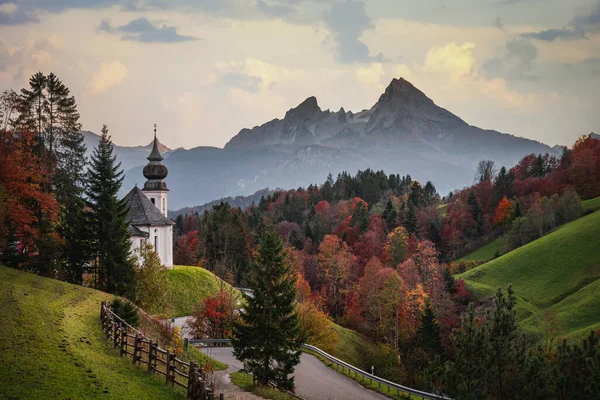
(153, 201)
(156, 242)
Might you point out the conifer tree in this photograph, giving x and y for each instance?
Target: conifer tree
(390, 214)
(48, 109)
(267, 338)
(111, 240)
(428, 334)
(412, 221)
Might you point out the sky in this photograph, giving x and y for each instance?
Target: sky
(202, 70)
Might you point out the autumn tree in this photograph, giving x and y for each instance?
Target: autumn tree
(396, 245)
(214, 316)
(24, 205)
(486, 170)
(151, 290)
(316, 327)
(504, 212)
(267, 338)
(335, 262)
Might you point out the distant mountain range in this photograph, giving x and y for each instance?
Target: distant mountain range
(405, 132)
(129, 157)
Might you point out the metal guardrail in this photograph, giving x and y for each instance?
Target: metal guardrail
(343, 364)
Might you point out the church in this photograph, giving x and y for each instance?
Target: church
(148, 210)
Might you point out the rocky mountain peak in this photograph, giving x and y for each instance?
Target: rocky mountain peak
(402, 90)
(304, 110)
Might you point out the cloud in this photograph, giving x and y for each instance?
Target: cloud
(497, 22)
(576, 29)
(515, 63)
(13, 14)
(253, 74)
(451, 72)
(276, 10)
(347, 21)
(550, 35)
(144, 31)
(371, 75)
(243, 81)
(110, 74)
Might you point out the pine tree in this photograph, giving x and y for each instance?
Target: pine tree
(390, 214)
(48, 109)
(428, 334)
(111, 241)
(360, 217)
(412, 222)
(267, 338)
(465, 376)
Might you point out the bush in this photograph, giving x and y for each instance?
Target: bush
(126, 311)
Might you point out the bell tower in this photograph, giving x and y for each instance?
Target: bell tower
(155, 171)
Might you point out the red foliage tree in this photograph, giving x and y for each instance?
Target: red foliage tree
(22, 177)
(187, 249)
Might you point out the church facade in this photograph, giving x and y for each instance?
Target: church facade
(148, 222)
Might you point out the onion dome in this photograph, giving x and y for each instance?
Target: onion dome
(155, 171)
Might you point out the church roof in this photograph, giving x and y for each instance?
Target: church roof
(135, 232)
(155, 153)
(142, 211)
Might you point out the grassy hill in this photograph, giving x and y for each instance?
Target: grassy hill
(559, 272)
(189, 286)
(51, 345)
(592, 204)
(486, 252)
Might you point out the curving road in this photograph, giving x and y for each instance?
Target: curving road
(314, 381)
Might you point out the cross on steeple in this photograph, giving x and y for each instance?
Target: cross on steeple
(155, 131)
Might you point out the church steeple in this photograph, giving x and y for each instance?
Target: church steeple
(155, 171)
(155, 154)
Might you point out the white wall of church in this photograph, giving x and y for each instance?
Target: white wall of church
(159, 199)
(161, 237)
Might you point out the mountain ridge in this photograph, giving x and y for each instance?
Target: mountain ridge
(404, 132)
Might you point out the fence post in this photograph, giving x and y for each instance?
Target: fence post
(192, 373)
(136, 347)
(124, 341)
(116, 330)
(150, 351)
(168, 368)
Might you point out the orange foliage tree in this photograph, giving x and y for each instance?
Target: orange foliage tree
(335, 261)
(503, 212)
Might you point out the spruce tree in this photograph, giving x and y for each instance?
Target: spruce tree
(412, 221)
(111, 242)
(428, 335)
(267, 337)
(390, 215)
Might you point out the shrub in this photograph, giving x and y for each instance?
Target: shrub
(126, 311)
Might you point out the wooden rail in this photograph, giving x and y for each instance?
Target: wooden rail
(131, 342)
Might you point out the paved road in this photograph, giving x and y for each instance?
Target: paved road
(314, 381)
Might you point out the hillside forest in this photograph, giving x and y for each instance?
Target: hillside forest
(378, 253)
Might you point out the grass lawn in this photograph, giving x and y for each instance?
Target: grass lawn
(486, 252)
(350, 346)
(559, 271)
(243, 380)
(592, 204)
(189, 286)
(52, 345)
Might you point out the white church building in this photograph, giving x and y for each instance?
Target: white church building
(148, 210)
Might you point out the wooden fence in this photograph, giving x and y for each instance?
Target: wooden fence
(131, 342)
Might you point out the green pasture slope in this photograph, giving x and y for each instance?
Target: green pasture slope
(559, 272)
(487, 252)
(189, 286)
(52, 345)
(592, 204)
